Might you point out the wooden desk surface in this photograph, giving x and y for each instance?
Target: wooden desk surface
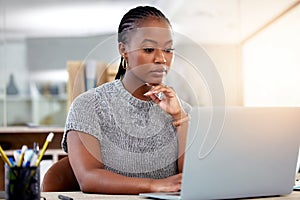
(83, 196)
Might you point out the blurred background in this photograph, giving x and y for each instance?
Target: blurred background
(253, 45)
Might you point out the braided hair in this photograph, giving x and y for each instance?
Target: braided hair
(130, 21)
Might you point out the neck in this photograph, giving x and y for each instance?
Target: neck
(136, 88)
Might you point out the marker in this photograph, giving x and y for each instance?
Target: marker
(11, 160)
(33, 160)
(28, 157)
(296, 188)
(48, 139)
(24, 149)
(4, 157)
(63, 197)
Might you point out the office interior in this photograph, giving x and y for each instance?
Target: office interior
(252, 45)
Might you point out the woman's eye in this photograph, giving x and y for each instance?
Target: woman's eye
(169, 50)
(148, 49)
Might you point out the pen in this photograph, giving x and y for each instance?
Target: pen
(63, 197)
(36, 147)
(48, 139)
(4, 157)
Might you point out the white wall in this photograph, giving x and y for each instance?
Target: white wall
(227, 60)
(271, 61)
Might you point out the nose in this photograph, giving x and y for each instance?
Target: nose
(160, 57)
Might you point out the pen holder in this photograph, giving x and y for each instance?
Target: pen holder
(22, 183)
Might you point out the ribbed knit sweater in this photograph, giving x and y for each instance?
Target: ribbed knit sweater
(137, 138)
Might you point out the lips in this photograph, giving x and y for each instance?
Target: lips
(162, 69)
(159, 72)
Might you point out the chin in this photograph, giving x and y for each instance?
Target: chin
(155, 82)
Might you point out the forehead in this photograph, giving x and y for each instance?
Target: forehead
(158, 31)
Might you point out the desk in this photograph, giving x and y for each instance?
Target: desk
(82, 196)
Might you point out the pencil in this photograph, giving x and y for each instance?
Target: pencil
(48, 139)
(4, 157)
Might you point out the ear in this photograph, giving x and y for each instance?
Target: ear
(122, 49)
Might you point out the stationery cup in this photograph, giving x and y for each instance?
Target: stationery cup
(22, 183)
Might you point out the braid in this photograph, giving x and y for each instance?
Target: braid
(121, 70)
(130, 21)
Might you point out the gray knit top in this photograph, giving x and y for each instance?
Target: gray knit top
(136, 137)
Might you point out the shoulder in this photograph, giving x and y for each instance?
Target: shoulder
(84, 98)
(107, 87)
(96, 93)
(92, 98)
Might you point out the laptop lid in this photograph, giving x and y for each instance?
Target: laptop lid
(240, 152)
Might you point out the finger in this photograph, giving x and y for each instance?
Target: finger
(155, 98)
(158, 89)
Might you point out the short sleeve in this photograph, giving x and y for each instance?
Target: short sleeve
(83, 116)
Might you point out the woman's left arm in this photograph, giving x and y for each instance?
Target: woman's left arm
(182, 129)
(170, 103)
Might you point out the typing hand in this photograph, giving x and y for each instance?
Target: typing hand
(170, 184)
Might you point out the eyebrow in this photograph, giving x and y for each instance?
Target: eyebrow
(155, 42)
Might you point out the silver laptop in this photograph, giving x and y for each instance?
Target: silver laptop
(239, 152)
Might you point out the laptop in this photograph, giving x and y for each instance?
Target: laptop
(239, 152)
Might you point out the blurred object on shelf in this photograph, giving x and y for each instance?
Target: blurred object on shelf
(102, 72)
(11, 88)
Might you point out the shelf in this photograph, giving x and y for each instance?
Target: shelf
(41, 110)
(29, 98)
(51, 98)
(14, 98)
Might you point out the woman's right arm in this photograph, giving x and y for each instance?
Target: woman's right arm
(93, 178)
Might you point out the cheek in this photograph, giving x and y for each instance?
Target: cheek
(170, 59)
(132, 59)
(138, 59)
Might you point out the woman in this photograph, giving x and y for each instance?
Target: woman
(128, 136)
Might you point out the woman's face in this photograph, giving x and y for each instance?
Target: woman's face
(149, 51)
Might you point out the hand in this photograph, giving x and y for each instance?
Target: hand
(170, 184)
(169, 102)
